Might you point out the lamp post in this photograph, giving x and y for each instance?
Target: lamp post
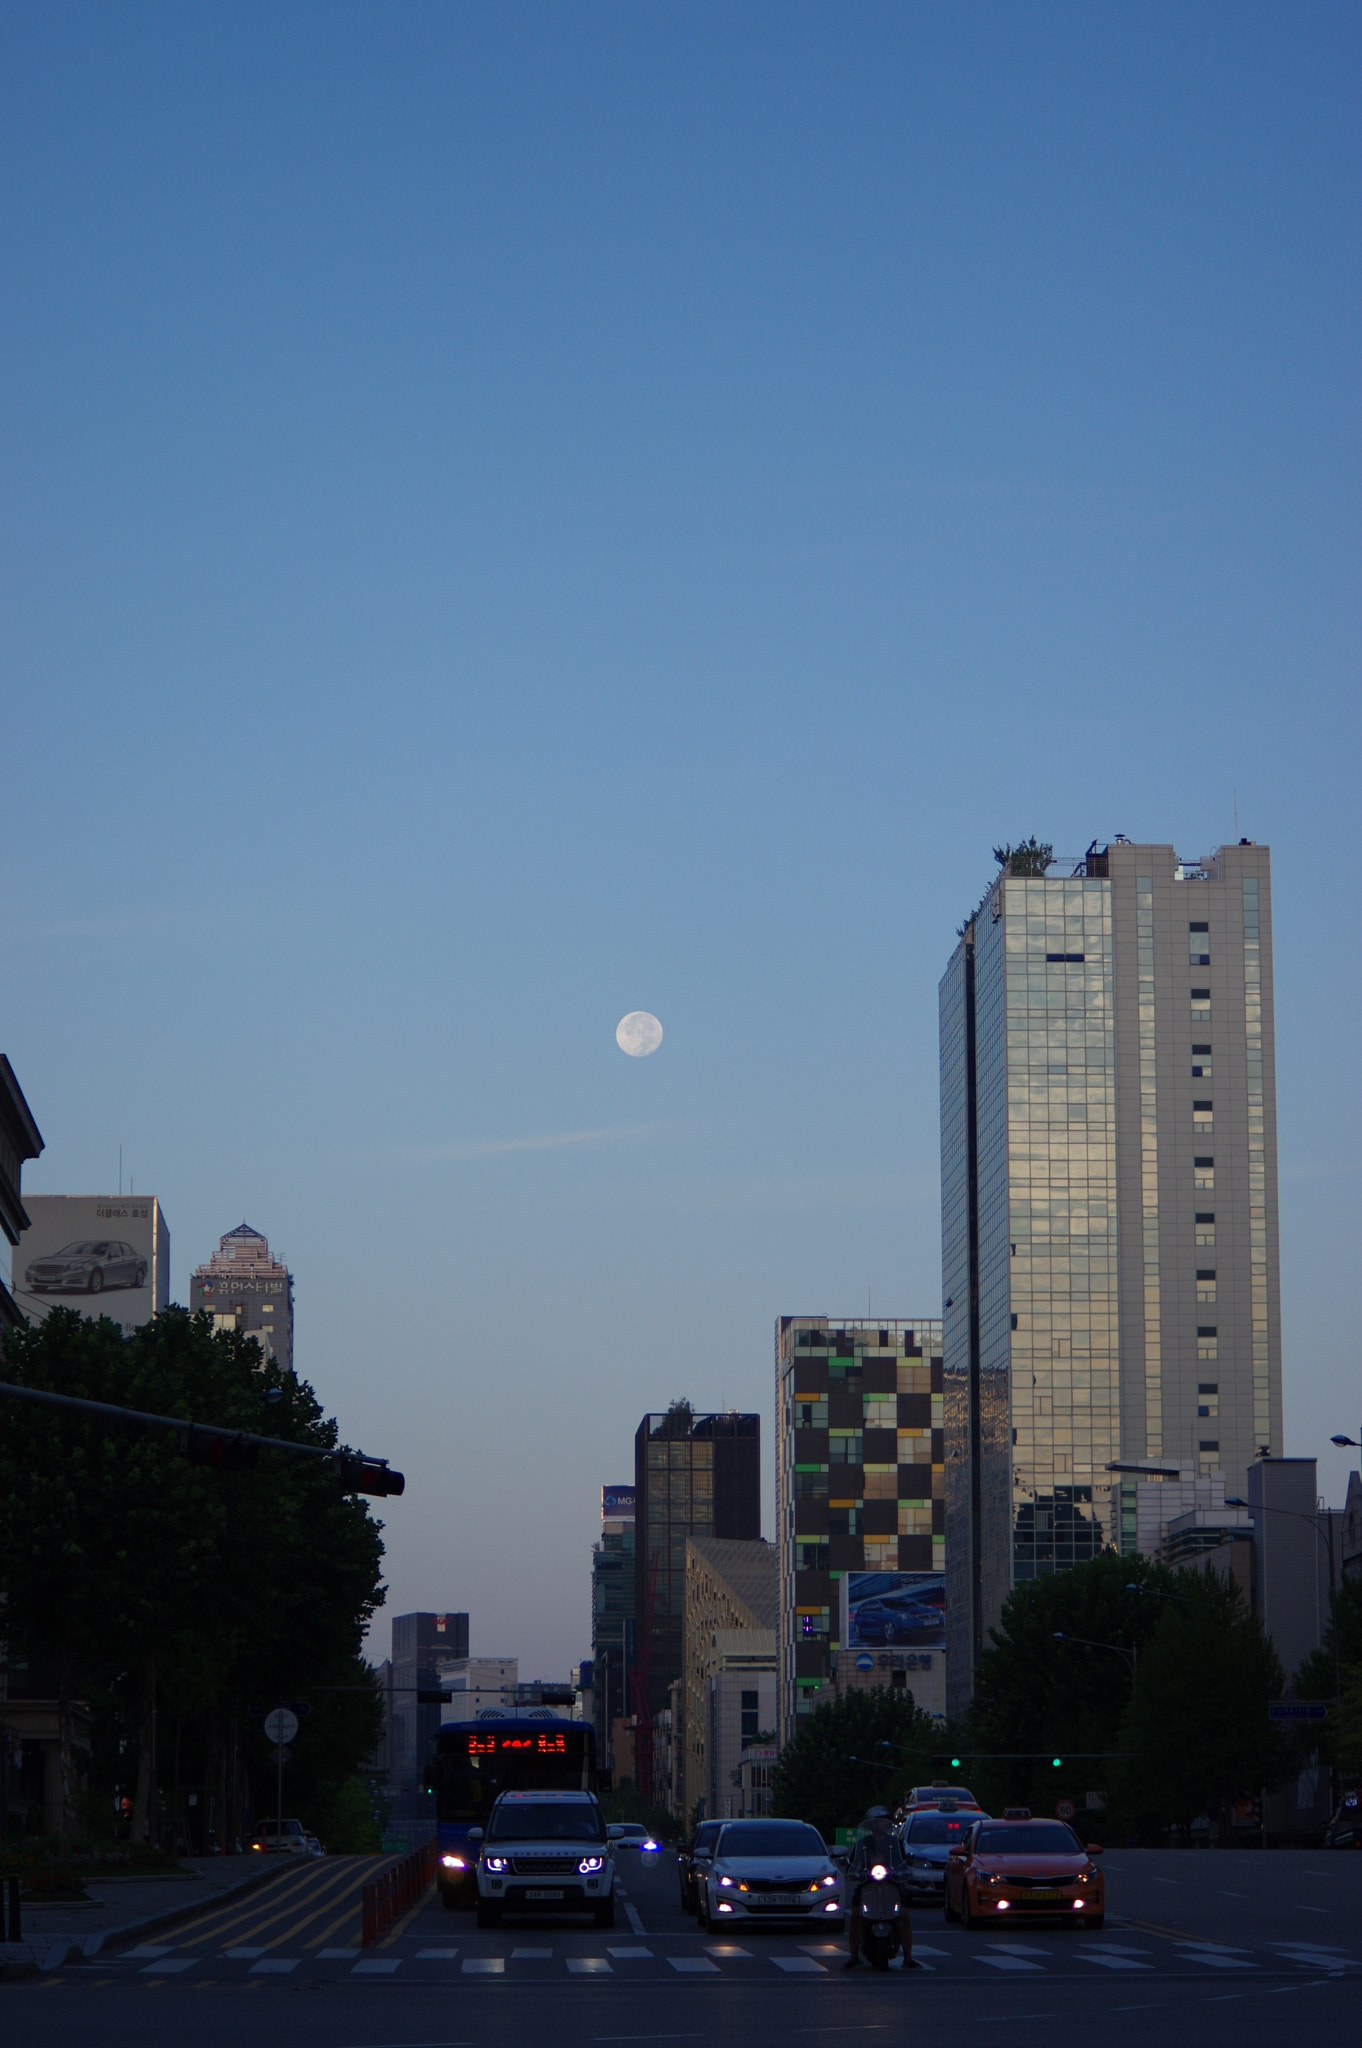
(1062, 1636)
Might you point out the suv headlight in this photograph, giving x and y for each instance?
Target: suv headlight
(591, 1863)
(496, 1862)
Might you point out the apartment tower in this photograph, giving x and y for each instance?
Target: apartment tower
(1109, 1206)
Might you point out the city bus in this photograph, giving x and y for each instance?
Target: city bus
(475, 1760)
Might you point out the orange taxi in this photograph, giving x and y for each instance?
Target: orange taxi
(1024, 1869)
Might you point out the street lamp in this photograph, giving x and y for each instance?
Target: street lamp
(1061, 1636)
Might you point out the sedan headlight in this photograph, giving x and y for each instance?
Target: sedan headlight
(591, 1863)
(497, 1862)
(726, 1882)
(453, 1863)
(829, 1879)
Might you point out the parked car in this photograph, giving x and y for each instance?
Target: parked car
(87, 1266)
(280, 1838)
(770, 1870)
(1345, 1829)
(1022, 1869)
(693, 1859)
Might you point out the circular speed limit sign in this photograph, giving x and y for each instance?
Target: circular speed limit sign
(1065, 1809)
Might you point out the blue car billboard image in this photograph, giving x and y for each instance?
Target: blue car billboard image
(883, 1608)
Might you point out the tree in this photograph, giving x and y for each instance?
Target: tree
(156, 1579)
(858, 1751)
(1037, 1697)
(1197, 1721)
(1029, 857)
(1339, 1740)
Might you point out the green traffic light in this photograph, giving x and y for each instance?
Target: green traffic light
(1055, 1762)
(955, 1763)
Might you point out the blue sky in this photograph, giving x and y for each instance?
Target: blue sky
(513, 515)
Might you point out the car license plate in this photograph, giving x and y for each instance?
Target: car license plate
(543, 1895)
(1044, 1895)
(784, 1899)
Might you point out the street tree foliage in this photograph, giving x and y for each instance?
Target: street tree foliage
(1197, 1722)
(1036, 1697)
(1339, 1739)
(144, 1580)
(861, 1750)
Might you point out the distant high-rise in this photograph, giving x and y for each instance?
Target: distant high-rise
(1109, 1206)
(421, 1644)
(694, 1475)
(244, 1288)
(612, 1612)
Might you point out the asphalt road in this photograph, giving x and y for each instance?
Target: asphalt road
(1241, 1948)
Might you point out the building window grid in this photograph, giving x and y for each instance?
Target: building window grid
(1257, 1162)
(1149, 1169)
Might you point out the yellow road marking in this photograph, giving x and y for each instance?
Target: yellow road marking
(267, 1911)
(355, 1907)
(238, 1912)
(296, 1927)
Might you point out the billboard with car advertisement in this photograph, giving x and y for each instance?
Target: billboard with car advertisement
(883, 1609)
(102, 1255)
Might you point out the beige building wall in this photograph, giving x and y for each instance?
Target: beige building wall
(730, 1586)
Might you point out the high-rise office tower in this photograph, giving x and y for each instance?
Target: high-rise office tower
(694, 1475)
(612, 1613)
(1109, 1206)
(860, 1483)
(245, 1289)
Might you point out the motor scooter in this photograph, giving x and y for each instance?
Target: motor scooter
(885, 1929)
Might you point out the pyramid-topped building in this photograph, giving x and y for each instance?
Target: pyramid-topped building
(244, 1287)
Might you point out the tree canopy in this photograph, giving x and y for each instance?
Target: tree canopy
(132, 1571)
(857, 1751)
(1028, 857)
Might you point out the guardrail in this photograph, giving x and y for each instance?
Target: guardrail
(390, 1894)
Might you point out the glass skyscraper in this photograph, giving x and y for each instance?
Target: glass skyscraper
(1109, 1207)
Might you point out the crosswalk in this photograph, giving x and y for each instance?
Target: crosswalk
(665, 1959)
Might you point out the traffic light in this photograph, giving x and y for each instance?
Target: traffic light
(955, 1763)
(367, 1475)
(1056, 1763)
(223, 1453)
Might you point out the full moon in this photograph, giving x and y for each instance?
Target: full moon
(638, 1034)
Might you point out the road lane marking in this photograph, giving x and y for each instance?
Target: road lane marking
(1007, 1963)
(589, 1966)
(1114, 1962)
(1313, 1909)
(371, 1966)
(631, 1915)
(620, 1954)
(518, 1955)
(694, 1966)
(726, 1948)
(484, 1966)
(791, 1964)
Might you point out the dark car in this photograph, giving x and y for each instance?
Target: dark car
(925, 1842)
(1345, 1829)
(87, 1266)
(699, 1850)
(897, 1619)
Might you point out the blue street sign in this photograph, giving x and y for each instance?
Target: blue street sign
(1296, 1710)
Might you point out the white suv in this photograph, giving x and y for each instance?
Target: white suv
(545, 1852)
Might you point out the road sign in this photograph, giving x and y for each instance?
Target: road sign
(1065, 1808)
(281, 1725)
(281, 1754)
(1296, 1710)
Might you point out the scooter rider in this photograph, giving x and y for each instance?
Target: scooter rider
(874, 1845)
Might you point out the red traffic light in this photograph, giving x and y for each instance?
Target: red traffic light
(368, 1475)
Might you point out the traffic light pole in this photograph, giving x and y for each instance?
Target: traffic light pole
(206, 1444)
